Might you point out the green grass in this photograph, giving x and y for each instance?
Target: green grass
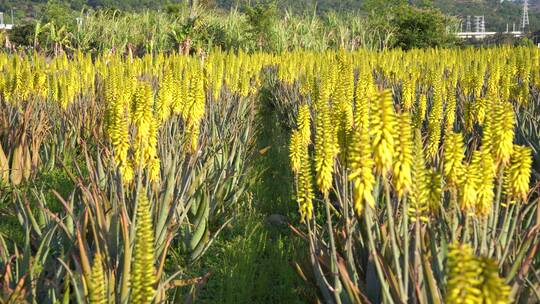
(56, 179)
(251, 261)
(274, 189)
(251, 265)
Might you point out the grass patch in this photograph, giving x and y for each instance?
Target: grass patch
(56, 179)
(251, 265)
(251, 261)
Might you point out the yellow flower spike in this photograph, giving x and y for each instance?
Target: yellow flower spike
(365, 88)
(143, 120)
(324, 87)
(142, 269)
(154, 169)
(40, 85)
(518, 173)
(117, 124)
(382, 128)
(361, 159)
(420, 111)
(185, 103)
(454, 151)
(463, 272)
(421, 188)
(164, 101)
(301, 164)
(98, 286)
(434, 190)
(493, 288)
(479, 79)
(305, 186)
(472, 279)
(403, 155)
(505, 85)
(295, 149)
(470, 182)
(523, 93)
(151, 159)
(494, 78)
(487, 135)
(127, 173)
(307, 84)
(343, 100)
(485, 194)
(333, 73)
(193, 138)
(304, 124)
(325, 148)
(141, 109)
(480, 108)
(503, 130)
(468, 115)
(435, 118)
(450, 111)
(195, 107)
(408, 93)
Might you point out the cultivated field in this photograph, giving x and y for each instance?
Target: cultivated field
(414, 175)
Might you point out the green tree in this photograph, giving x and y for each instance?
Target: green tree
(60, 13)
(420, 28)
(22, 34)
(263, 18)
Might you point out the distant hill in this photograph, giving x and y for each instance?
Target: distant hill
(497, 15)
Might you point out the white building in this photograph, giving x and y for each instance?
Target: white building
(3, 25)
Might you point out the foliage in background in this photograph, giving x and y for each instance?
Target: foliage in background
(255, 27)
(421, 28)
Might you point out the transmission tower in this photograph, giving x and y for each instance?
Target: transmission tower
(482, 25)
(525, 17)
(479, 24)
